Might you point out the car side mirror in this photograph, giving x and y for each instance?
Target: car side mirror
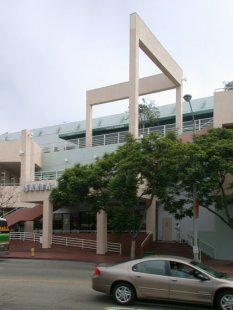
(202, 277)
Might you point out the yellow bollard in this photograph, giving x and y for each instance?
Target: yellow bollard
(32, 252)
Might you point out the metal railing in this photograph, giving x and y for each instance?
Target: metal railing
(48, 175)
(25, 236)
(208, 249)
(146, 239)
(120, 137)
(66, 241)
(204, 247)
(9, 184)
(75, 242)
(6, 213)
(117, 138)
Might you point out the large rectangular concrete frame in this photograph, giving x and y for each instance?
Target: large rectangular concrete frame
(170, 78)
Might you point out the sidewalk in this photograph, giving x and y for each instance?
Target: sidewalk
(30, 250)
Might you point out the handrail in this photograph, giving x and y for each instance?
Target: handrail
(66, 241)
(145, 240)
(203, 246)
(12, 210)
(211, 247)
(120, 137)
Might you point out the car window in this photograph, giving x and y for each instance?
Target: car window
(180, 270)
(209, 270)
(156, 267)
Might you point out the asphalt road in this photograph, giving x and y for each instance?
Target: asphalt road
(61, 285)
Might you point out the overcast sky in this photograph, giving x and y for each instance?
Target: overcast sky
(53, 51)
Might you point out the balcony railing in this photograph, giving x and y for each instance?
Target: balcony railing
(120, 137)
(9, 184)
(48, 175)
(115, 138)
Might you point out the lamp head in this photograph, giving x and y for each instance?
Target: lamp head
(187, 98)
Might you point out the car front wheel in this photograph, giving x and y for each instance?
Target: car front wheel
(123, 294)
(224, 300)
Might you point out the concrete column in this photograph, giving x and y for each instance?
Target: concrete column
(101, 237)
(133, 76)
(88, 124)
(47, 224)
(151, 219)
(179, 109)
(26, 155)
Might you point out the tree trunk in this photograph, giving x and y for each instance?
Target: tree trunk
(133, 248)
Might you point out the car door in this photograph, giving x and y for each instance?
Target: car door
(151, 280)
(184, 284)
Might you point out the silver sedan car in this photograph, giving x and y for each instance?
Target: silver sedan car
(165, 278)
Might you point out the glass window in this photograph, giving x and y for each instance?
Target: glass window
(208, 269)
(66, 222)
(156, 267)
(74, 221)
(87, 220)
(37, 225)
(180, 270)
(57, 221)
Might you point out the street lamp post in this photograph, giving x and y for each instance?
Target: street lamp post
(188, 98)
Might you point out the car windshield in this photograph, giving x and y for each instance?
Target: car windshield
(210, 270)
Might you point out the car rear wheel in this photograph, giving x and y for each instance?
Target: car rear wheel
(123, 293)
(224, 300)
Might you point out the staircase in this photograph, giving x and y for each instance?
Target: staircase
(24, 215)
(173, 248)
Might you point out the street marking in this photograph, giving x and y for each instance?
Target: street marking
(120, 308)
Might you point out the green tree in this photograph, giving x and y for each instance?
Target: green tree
(148, 113)
(85, 184)
(228, 85)
(215, 185)
(73, 186)
(206, 162)
(125, 186)
(167, 168)
(111, 184)
(165, 161)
